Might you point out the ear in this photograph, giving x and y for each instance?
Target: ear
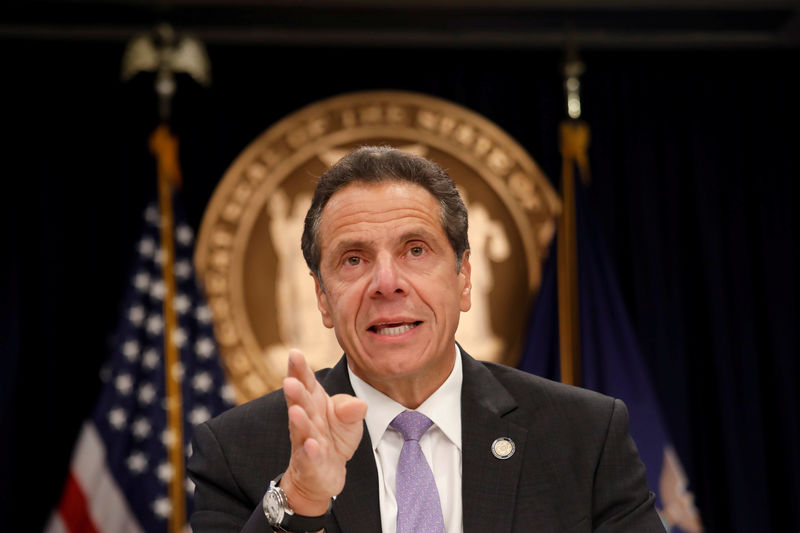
(322, 303)
(465, 282)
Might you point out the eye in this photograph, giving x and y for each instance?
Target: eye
(353, 260)
(416, 251)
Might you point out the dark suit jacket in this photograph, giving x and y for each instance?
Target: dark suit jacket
(575, 468)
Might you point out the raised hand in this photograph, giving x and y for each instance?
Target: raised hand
(324, 431)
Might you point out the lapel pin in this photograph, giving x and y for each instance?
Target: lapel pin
(503, 448)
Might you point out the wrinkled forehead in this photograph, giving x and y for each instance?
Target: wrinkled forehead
(364, 205)
(373, 191)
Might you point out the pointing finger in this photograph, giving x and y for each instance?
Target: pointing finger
(298, 368)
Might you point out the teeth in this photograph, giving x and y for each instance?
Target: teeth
(396, 330)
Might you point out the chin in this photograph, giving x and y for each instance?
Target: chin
(392, 368)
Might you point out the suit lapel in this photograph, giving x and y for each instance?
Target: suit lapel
(489, 484)
(356, 509)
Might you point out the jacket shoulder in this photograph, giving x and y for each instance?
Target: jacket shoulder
(532, 392)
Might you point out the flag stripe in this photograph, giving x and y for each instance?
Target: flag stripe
(75, 512)
(107, 505)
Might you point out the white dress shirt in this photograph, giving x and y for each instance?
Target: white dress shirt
(441, 445)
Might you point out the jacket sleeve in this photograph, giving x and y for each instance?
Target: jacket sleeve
(221, 505)
(622, 501)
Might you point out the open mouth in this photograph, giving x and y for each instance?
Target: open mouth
(392, 329)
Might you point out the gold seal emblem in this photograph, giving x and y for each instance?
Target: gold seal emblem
(248, 253)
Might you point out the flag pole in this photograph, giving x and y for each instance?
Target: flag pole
(165, 53)
(574, 140)
(164, 145)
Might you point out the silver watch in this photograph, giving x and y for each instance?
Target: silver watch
(281, 517)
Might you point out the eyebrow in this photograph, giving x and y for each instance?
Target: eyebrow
(418, 235)
(343, 246)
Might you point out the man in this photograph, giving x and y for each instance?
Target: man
(386, 241)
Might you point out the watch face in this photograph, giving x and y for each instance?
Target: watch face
(273, 507)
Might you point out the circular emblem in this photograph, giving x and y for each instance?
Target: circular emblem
(248, 253)
(503, 448)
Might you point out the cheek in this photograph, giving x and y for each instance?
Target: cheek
(346, 302)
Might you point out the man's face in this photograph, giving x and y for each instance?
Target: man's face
(392, 292)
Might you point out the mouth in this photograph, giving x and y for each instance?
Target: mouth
(393, 329)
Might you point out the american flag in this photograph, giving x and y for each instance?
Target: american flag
(120, 470)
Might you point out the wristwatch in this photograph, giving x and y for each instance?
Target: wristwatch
(281, 517)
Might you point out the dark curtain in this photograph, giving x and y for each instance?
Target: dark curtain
(694, 185)
(695, 181)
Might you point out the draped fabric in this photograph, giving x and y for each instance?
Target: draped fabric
(610, 361)
(694, 185)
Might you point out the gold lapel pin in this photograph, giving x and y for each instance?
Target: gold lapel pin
(503, 448)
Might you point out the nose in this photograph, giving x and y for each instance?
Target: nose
(387, 277)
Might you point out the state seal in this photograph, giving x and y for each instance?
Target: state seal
(248, 255)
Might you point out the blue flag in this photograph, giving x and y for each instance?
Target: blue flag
(611, 363)
(120, 471)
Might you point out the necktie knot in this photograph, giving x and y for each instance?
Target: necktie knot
(411, 424)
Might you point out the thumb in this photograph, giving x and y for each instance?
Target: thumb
(349, 409)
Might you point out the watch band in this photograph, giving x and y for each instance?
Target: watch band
(288, 520)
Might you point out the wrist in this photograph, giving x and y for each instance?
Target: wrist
(299, 502)
(282, 517)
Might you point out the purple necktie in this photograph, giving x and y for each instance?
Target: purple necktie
(418, 508)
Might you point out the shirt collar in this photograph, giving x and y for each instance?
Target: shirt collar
(440, 407)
